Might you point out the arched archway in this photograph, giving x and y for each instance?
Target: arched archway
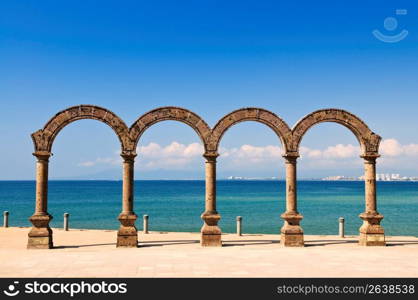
(369, 141)
(260, 115)
(371, 233)
(40, 235)
(43, 139)
(210, 232)
(292, 234)
(174, 114)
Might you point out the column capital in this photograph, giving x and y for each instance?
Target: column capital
(42, 155)
(291, 157)
(211, 156)
(370, 157)
(128, 156)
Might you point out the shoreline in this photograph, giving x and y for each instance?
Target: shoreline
(347, 236)
(93, 253)
(351, 236)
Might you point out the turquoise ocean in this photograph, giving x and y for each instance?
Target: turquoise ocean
(177, 205)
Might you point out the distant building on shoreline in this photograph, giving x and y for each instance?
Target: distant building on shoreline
(379, 177)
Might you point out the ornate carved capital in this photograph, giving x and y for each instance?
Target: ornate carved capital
(128, 156)
(211, 156)
(370, 157)
(42, 155)
(291, 157)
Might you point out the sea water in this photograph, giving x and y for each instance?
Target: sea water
(177, 205)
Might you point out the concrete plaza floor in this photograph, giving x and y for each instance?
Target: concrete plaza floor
(92, 253)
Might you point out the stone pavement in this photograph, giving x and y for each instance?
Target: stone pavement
(93, 253)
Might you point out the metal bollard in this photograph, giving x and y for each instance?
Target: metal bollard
(5, 219)
(66, 217)
(239, 226)
(146, 217)
(342, 227)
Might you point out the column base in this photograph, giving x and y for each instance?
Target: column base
(127, 241)
(127, 234)
(211, 240)
(211, 235)
(292, 232)
(371, 233)
(292, 240)
(372, 240)
(40, 236)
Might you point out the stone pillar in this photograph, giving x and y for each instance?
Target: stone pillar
(127, 233)
(291, 232)
(371, 233)
(210, 232)
(40, 236)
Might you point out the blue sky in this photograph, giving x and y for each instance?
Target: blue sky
(211, 57)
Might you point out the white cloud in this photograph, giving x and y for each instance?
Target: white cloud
(393, 148)
(101, 161)
(87, 164)
(339, 151)
(174, 149)
(252, 153)
(173, 156)
(180, 156)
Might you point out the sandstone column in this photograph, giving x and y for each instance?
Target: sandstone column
(40, 236)
(291, 232)
(210, 232)
(127, 234)
(371, 233)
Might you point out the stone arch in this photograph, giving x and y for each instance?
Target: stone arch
(260, 115)
(371, 232)
(43, 139)
(170, 113)
(369, 141)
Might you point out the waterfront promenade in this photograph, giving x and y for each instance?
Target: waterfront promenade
(93, 253)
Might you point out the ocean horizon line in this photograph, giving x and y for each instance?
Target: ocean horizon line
(222, 179)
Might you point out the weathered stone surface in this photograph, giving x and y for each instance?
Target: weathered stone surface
(369, 141)
(211, 235)
(127, 233)
(210, 232)
(211, 240)
(260, 115)
(174, 114)
(292, 234)
(372, 240)
(43, 139)
(40, 235)
(371, 232)
(292, 239)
